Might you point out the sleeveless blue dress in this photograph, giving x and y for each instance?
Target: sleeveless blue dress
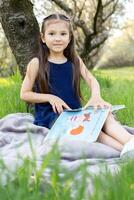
(60, 78)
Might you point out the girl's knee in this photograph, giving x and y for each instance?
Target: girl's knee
(109, 121)
(110, 117)
(100, 137)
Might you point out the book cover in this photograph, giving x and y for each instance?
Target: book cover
(80, 124)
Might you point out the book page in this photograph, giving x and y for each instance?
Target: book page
(79, 124)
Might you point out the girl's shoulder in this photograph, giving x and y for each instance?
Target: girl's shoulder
(33, 66)
(34, 61)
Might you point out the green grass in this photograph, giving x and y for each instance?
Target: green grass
(117, 88)
(9, 96)
(115, 186)
(62, 184)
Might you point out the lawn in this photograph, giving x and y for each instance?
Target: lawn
(116, 87)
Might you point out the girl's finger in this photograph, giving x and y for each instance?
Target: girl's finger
(58, 109)
(54, 108)
(95, 108)
(107, 105)
(66, 106)
(100, 106)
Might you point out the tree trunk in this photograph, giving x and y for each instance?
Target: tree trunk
(21, 29)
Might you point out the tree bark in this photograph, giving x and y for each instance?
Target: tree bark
(21, 29)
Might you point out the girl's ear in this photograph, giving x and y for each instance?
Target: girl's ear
(42, 37)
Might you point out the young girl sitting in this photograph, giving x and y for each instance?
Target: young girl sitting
(56, 73)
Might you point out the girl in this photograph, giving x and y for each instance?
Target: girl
(56, 73)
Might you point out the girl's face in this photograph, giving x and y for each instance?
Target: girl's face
(56, 36)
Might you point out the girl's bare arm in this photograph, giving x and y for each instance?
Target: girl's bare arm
(93, 84)
(90, 80)
(26, 92)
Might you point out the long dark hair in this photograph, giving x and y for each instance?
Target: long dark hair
(69, 53)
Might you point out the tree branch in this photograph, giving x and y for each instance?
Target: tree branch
(107, 3)
(63, 6)
(82, 8)
(97, 17)
(97, 42)
(113, 10)
(92, 43)
(83, 26)
(75, 7)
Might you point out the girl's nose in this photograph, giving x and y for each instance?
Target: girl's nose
(57, 38)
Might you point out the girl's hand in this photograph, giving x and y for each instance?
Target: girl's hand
(98, 103)
(58, 104)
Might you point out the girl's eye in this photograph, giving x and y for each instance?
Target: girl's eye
(51, 33)
(63, 33)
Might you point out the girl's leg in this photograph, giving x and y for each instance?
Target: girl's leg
(108, 140)
(115, 130)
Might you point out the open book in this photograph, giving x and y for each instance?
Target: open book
(80, 124)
